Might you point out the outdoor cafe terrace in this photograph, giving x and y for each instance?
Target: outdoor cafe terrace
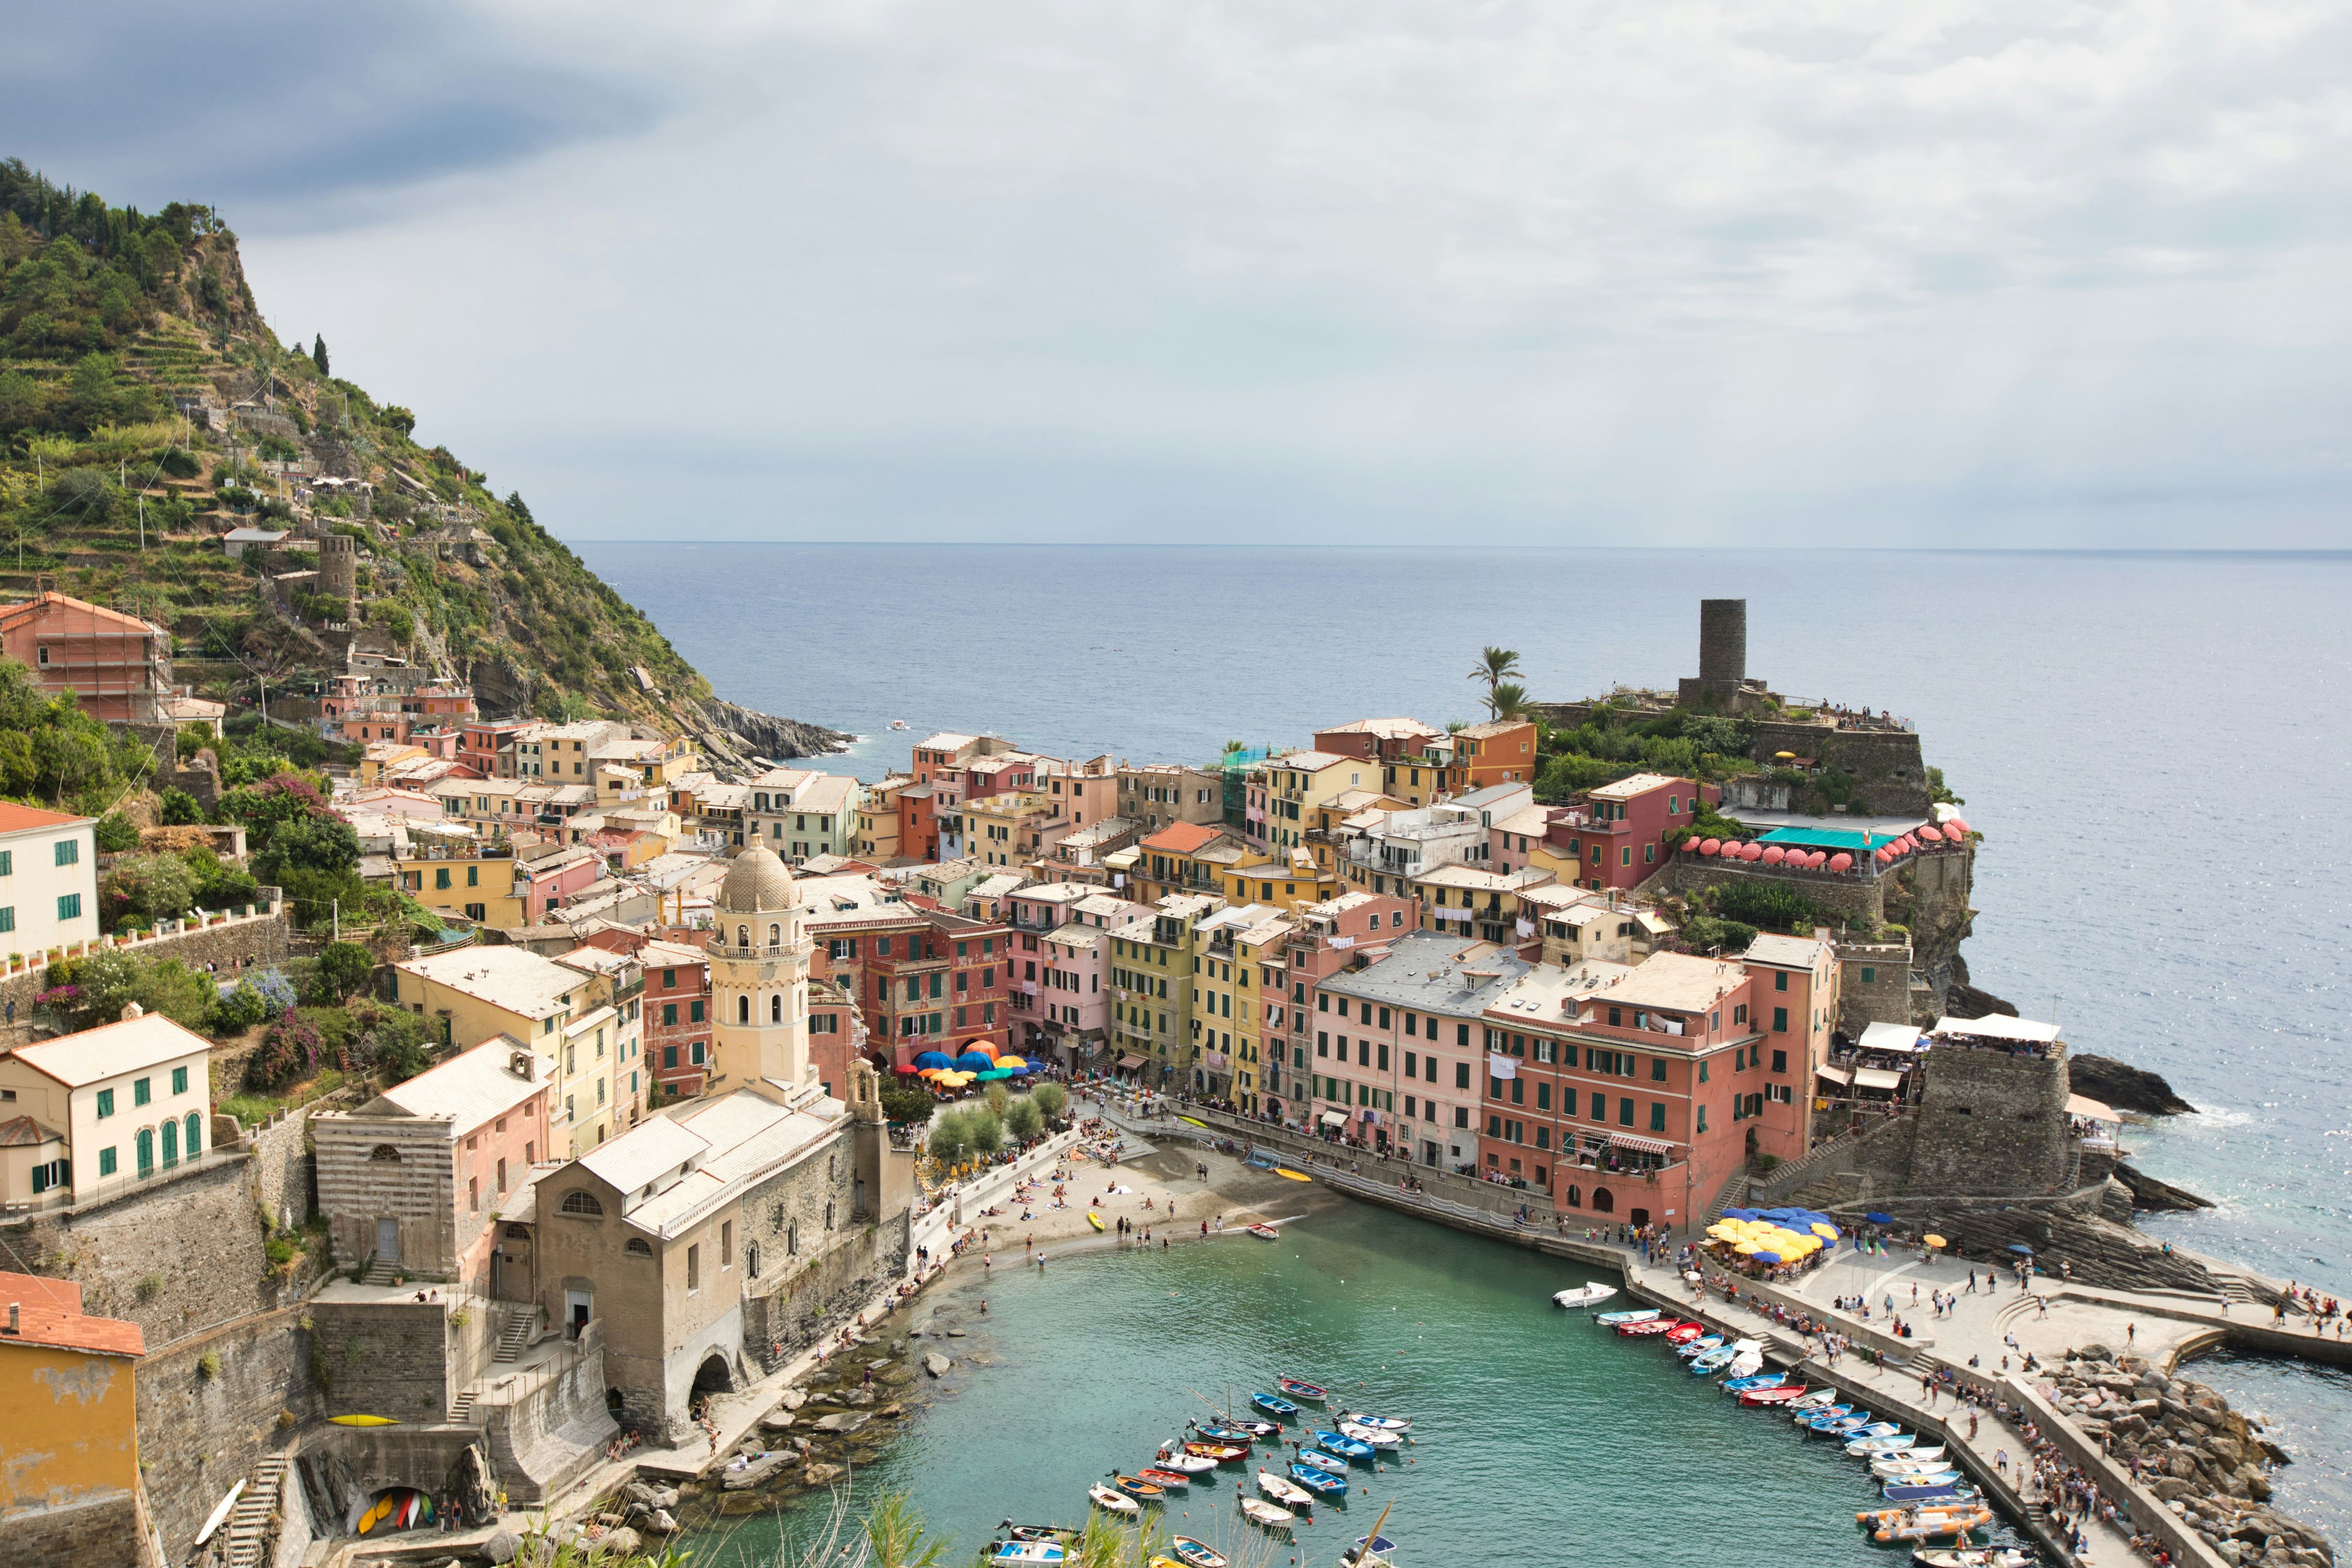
(1850, 853)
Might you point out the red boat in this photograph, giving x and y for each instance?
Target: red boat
(1645, 1329)
(1781, 1395)
(1683, 1331)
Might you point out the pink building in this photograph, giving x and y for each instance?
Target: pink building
(546, 883)
(364, 707)
(1618, 834)
(1073, 1001)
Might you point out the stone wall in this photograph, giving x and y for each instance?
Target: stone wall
(356, 1188)
(211, 1405)
(263, 939)
(175, 1257)
(283, 1181)
(1991, 1123)
(548, 1425)
(1928, 896)
(1856, 899)
(2071, 1229)
(1890, 778)
(1856, 1166)
(804, 1307)
(389, 1358)
(102, 1533)
(1873, 984)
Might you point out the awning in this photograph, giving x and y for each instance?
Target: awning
(1876, 1078)
(1835, 1074)
(1130, 1063)
(1998, 1026)
(1641, 1145)
(1334, 1117)
(1889, 1038)
(2084, 1106)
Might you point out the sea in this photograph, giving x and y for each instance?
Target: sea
(2151, 744)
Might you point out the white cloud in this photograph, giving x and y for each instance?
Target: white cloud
(2005, 273)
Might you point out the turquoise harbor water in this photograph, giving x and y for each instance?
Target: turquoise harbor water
(1539, 1439)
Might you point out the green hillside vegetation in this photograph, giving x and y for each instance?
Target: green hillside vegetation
(107, 316)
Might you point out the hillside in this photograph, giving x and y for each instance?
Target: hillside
(146, 409)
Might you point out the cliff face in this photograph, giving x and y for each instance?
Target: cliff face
(146, 408)
(738, 736)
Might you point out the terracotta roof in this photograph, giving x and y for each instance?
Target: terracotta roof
(1183, 837)
(32, 609)
(49, 1312)
(24, 1132)
(16, 818)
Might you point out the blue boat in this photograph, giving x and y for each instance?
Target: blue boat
(1281, 1409)
(1950, 1492)
(1226, 1435)
(1847, 1423)
(1698, 1347)
(1875, 1429)
(1323, 1462)
(1713, 1361)
(1824, 1416)
(1762, 1380)
(1339, 1443)
(1321, 1482)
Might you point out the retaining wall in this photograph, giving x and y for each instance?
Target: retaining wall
(202, 1430)
(261, 936)
(1991, 1123)
(105, 1532)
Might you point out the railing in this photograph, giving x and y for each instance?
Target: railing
(84, 1196)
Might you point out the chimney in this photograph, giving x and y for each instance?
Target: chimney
(13, 1310)
(133, 1010)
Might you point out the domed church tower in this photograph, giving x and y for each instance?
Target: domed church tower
(759, 982)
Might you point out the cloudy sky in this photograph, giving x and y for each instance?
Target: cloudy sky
(2027, 272)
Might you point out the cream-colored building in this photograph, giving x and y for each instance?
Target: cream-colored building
(589, 1022)
(48, 879)
(89, 1116)
(760, 950)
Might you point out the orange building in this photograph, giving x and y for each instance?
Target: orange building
(117, 667)
(68, 1378)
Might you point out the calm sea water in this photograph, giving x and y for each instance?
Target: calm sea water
(2153, 746)
(1538, 1438)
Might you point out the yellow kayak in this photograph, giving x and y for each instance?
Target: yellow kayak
(1294, 1175)
(1094, 1220)
(362, 1421)
(1194, 1121)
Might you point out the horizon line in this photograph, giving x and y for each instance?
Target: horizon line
(2270, 552)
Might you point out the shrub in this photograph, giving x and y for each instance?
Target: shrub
(208, 1366)
(344, 967)
(1052, 1099)
(1023, 1120)
(239, 1009)
(290, 1050)
(143, 888)
(116, 833)
(179, 809)
(905, 1103)
(1764, 904)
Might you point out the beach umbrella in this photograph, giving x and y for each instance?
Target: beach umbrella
(1936, 1241)
(2021, 1247)
(974, 1061)
(934, 1059)
(1826, 1232)
(1841, 861)
(1710, 846)
(994, 1074)
(1016, 1063)
(1880, 1218)
(985, 1048)
(1767, 1257)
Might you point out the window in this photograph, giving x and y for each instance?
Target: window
(1779, 1020)
(1702, 1118)
(669, 1012)
(726, 1243)
(474, 1194)
(637, 1247)
(1780, 1061)
(8, 918)
(693, 1268)
(1657, 1070)
(105, 1102)
(105, 1164)
(581, 1203)
(694, 1011)
(141, 1090)
(179, 1081)
(7, 862)
(1543, 1097)
(440, 877)
(69, 905)
(1869, 975)
(669, 1056)
(69, 851)
(1599, 1106)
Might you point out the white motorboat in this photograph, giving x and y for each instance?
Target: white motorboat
(1287, 1493)
(1375, 1437)
(1582, 1296)
(1266, 1514)
(1112, 1503)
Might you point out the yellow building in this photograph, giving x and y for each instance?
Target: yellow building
(89, 1116)
(877, 843)
(1151, 977)
(1295, 786)
(587, 1016)
(1236, 987)
(462, 876)
(1188, 858)
(1288, 883)
(67, 1381)
(1010, 828)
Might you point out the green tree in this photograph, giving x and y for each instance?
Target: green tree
(1023, 1120)
(905, 1101)
(1507, 700)
(179, 809)
(998, 1098)
(307, 844)
(344, 967)
(319, 353)
(1052, 1099)
(950, 1137)
(115, 834)
(1495, 666)
(143, 888)
(987, 1131)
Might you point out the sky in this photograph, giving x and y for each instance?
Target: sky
(2026, 273)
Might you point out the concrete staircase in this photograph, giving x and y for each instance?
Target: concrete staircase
(515, 1336)
(248, 1525)
(461, 1409)
(380, 1273)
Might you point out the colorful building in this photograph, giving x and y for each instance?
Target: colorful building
(87, 1117)
(1351, 931)
(1618, 834)
(1236, 951)
(48, 879)
(801, 814)
(1286, 792)
(114, 666)
(1189, 858)
(1153, 991)
(69, 1403)
(1159, 795)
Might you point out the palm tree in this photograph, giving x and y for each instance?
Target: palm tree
(1508, 699)
(1495, 664)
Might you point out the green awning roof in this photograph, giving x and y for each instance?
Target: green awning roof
(1853, 839)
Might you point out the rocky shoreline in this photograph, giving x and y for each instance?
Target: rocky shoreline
(2210, 1465)
(736, 736)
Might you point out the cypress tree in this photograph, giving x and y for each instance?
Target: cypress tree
(319, 353)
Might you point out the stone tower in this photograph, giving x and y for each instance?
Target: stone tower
(1722, 682)
(339, 566)
(759, 982)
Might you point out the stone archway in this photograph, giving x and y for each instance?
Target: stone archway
(1604, 1201)
(715, 1375)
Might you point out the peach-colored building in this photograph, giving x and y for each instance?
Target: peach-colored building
(117, 667)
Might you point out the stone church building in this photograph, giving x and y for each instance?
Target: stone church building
(715, 1239)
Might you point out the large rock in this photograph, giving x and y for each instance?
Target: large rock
(623, 1542)
(844, 1422)
(777, 1420)
(793, 1398)
(822, 1475)
(754, 1473)
(501, 1547)
(936, 1364)
(2124, 1087)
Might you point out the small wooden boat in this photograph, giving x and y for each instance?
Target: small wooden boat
(1197, 1553)
(1378, 1436)
(1922, 1478)
(1971, 1557)
(1818, 1399)
(1698, 1345)
(1261, 1430)
(1903, 1444)
(1754, 1380)
(1224, 1453)
(1061, 1532)
(1291, 1175)
(1281, 1409)
(1190, 1464)
(1168, 1481)
(1638, 1315)
(1284, 1491)
(1339, 1443)
(1264, 1232)
(1578, 1298)
(1299, 1388)
(1139, 1488)
(1382, 1423)
(1323, 1462)
(1744, 1363)
(1109, 1501)
(1227, 1434)
(1266, 1514)
(1874, 1429)
(1094, 1220)
(1323, 1483)
(1834, 1426)
(1806, 1415)
(1027, 1552)
(1769, 1398)
(1952, 1491)
(1370, 1552)
(1711, 1360)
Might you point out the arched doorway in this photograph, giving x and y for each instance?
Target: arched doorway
(713, 1376)
(1604, 1201)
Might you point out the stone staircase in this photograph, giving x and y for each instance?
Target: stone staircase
(461, 1409)
(248, 1525)
(514, 1337)
(380, 1273)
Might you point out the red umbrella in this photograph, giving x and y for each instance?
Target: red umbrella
(1711, 847)
(1840, 862)
(1752, 851)
(1775, 855)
